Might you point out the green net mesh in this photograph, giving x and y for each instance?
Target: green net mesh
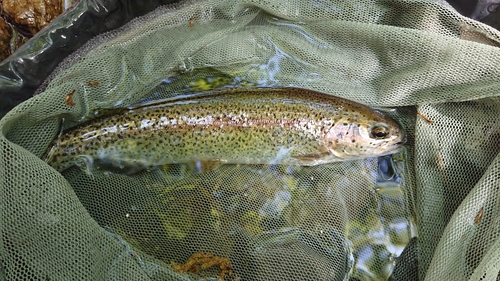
(356, 220)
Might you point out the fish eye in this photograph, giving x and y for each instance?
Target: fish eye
(379, 132)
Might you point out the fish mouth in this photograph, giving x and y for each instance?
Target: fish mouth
(403, 134)
(402, 137)
(397, 145)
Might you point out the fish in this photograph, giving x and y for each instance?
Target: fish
(289, 126)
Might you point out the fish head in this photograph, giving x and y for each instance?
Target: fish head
(372, 135)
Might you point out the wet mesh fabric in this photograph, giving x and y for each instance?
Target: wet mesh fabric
(428, 212)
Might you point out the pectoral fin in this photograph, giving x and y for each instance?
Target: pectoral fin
(311, 157)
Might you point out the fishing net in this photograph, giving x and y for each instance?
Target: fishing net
(428, 212)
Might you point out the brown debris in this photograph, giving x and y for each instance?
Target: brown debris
(429, 121)
(479, 216)
(94, 83)
(5, 36)
(202, 261)
(32, 14)
(69, 99)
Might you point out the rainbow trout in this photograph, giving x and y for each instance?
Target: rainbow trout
(258, 126)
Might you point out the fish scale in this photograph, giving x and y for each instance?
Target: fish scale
(235, 126)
